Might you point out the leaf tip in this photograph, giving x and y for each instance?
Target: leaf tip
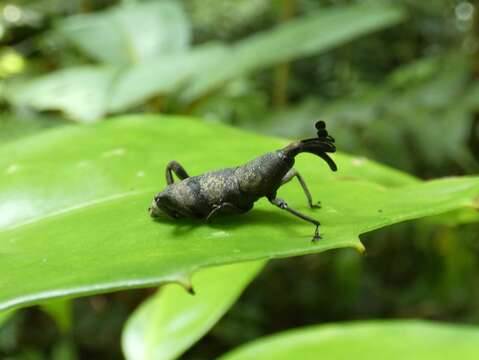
(191, 290)
(360, 247)
(185, 281)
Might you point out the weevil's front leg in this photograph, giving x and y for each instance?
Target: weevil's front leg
(174, 167)
(293, 173)
(223, 208)
(284, 206)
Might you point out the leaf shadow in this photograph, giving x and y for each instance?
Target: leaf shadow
(254, 218)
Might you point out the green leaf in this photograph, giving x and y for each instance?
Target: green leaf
(312, 34)
(419, 103)
(152, 37)
(61, 312)
(73, 207)
(81, 92)
(130, 33)
(171, 321)
(367, 340)
(111, 89)
(4, 316)
(64, 350)
(160, 76)
(14, 126)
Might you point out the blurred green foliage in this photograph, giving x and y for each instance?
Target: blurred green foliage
(366, 340)
(143, 50)
(406, 95)
(167, 324)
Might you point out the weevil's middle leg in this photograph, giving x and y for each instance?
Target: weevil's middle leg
(284, 206)
(174, 167)
(293, 173)
(222, 208)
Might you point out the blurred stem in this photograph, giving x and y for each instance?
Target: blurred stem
(85, 6)
(281, 72)
(156, 104)
(475, 31)
(474, 132)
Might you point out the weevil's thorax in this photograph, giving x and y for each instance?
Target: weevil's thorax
(262, 176)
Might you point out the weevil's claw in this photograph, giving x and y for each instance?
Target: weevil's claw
(316, 236)
(316, 206)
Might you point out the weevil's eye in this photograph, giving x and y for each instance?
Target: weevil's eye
(157, 198)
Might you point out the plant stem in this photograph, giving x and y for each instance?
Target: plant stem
(282, 71)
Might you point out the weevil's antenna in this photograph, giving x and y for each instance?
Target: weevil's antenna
(319, 146)
(322, 132)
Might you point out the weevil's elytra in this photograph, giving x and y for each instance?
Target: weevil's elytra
(235, 190)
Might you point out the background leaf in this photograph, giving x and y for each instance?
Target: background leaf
(313, 34)
(156, 60)
(15, 127)
(131, 32)
(91, 210)
(81, 92)
(4, 315)
(163, 75)
(172, 320)
(419, 103)
(61, 312)
(367, 340)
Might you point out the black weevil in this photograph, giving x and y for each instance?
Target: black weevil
(235, 190)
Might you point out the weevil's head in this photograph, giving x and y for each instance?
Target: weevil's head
(155, 209)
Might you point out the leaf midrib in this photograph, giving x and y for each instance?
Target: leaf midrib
(77, 207)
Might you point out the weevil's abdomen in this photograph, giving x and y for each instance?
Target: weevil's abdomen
(197, 196)
(262, 176)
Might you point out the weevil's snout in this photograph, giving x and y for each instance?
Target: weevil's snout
(154, 210)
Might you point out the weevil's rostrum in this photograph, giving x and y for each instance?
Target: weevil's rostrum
(235, 190)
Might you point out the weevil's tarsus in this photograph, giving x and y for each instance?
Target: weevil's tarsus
(175, 167)
(316, 236)
(293, 173)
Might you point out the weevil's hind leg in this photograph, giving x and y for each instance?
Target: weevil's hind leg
(174, 167)
(284, 206)
(293, 173)
(222, 209)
